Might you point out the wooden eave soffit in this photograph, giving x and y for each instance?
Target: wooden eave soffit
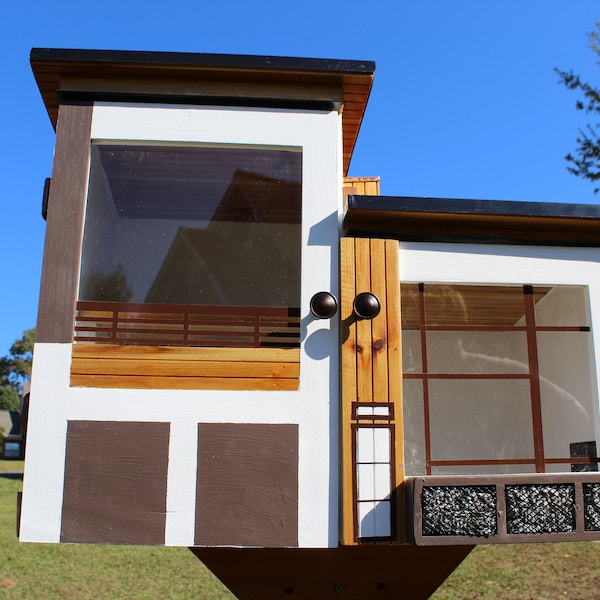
(197, 78)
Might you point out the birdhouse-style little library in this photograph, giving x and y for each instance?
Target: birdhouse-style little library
(316, 388)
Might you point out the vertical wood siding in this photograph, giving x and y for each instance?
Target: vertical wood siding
(362, 186)
(371, 370)
(66, 205)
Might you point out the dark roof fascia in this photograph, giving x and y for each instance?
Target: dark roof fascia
(248, 102)
(473, 221)
(192, 59)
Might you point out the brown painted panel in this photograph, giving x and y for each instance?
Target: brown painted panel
(66, 203)
(247, 485)
(115, 488)
(348, 572)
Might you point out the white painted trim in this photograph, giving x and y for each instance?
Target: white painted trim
(181, 484)
(46, 442)
(491, 263)
(206, 125)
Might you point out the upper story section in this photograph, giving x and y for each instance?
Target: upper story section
(188, 180)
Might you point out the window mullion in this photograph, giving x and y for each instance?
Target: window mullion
(534, 379)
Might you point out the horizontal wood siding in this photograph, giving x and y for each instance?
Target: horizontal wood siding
(164, 367)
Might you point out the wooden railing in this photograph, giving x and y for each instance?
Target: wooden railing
(126, 323)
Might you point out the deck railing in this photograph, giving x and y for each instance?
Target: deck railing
(186, 325)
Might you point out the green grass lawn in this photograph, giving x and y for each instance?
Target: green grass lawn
(527, 572)
(83, 571)
(52, 571)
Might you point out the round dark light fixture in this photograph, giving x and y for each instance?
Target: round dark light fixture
(323, 305)
(366, 305)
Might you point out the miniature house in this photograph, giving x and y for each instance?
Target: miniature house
(239, 349)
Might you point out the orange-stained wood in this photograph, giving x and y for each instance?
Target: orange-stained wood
(183, 383)
(371, 363)
(361, 186)
(364, 336)
(165, 367)
(394, 356)
(379, 330)
(174, 368)
(349, 394)
(186, 353)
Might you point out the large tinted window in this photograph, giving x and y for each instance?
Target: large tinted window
(498, 379)
(193, 225)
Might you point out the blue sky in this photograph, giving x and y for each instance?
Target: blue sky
(465, 102)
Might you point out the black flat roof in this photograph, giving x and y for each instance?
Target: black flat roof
(481, 221)
(196, 59)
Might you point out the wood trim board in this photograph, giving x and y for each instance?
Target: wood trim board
(64, 225)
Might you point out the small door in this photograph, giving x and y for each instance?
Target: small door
(218, 225)
(372, 434)
(207, 232)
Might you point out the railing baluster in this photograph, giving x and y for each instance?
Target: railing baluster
(115, 326)
(256, 328)
(186, 327)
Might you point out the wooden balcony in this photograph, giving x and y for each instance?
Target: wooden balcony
(156, 346)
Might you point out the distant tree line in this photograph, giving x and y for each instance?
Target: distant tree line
(15, 370)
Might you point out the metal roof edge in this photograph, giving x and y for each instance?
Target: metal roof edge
(208, 60)
(405, 204)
